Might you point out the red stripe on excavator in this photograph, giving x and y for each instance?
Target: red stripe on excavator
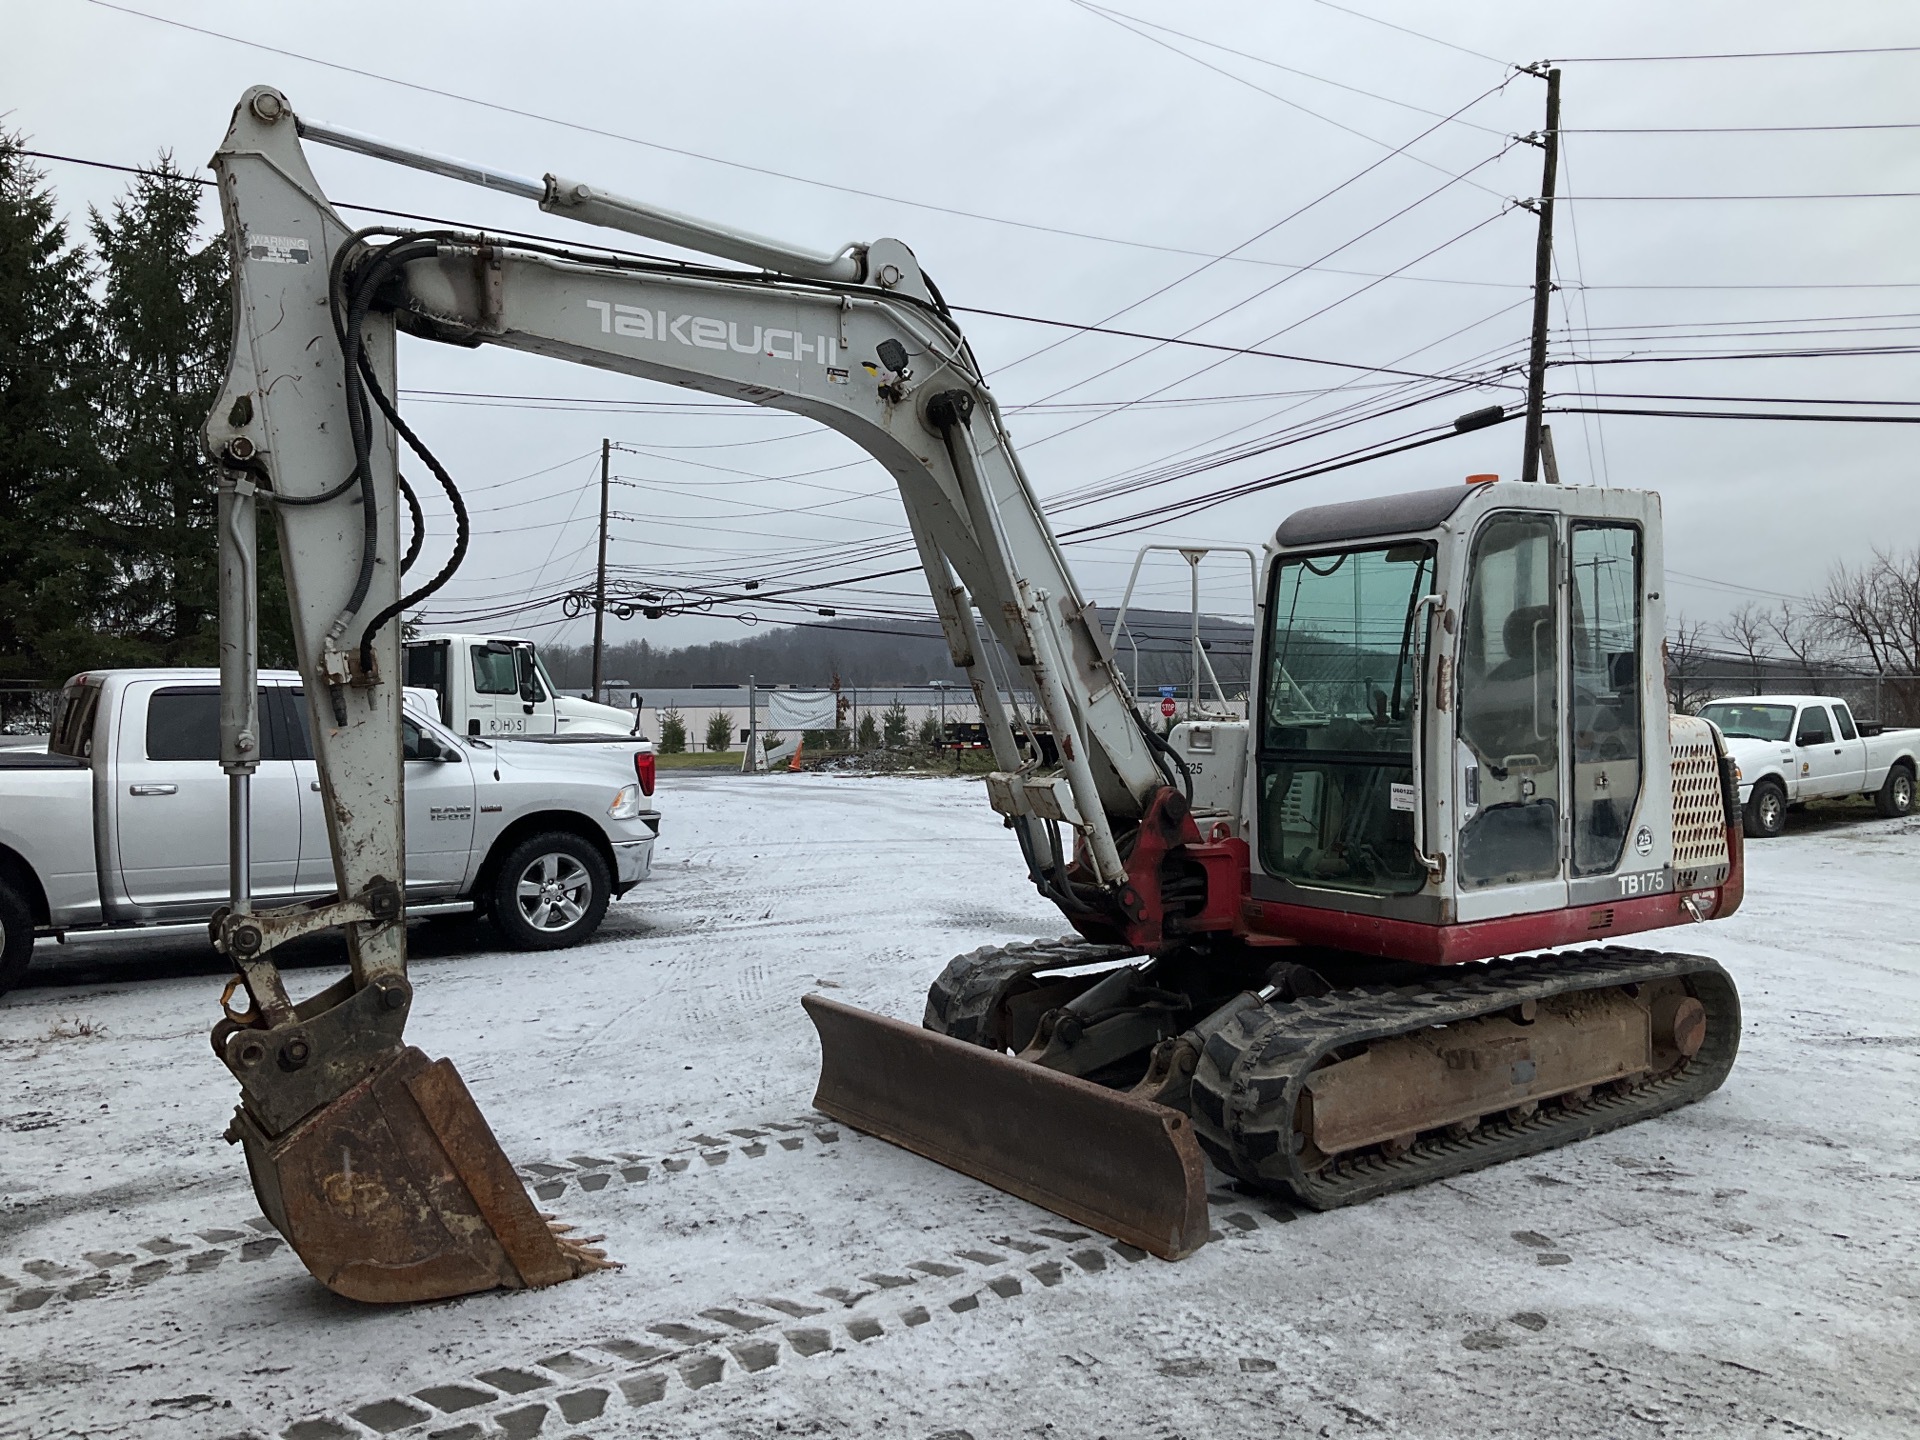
(1507, 935)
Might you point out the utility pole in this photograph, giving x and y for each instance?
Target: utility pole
(752, 760)
(1542, 281)
(600, 582)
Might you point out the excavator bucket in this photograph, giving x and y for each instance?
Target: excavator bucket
(396, 1191)
(1124, 1166)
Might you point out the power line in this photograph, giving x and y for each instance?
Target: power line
(1286, 219)
(1772, 285)
(1417, 34)
(1735, 399)
(1289, 69)
(1831, 352)
(1738, 415)
(1738, 129)
(1204, 344)
(1730, 55)
(1113, 18)
(1820, 195)
(657, 145)
(1194, 375)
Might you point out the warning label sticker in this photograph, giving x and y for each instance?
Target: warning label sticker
(279, 249)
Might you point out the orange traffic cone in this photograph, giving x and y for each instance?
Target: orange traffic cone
(798, 746)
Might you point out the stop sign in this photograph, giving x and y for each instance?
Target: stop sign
(1166, 707)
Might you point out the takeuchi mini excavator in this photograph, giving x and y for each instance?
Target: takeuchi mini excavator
(1288, 930)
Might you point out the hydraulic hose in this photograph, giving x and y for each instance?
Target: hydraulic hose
(461, 529)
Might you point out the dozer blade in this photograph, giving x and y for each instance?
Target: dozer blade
(1126, 1167)
(397, 1191)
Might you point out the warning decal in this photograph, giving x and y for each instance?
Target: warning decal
(279, 249)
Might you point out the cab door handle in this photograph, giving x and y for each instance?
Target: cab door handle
(314, 785)
(153, 789)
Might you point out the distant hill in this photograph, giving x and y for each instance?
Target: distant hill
(887, 652)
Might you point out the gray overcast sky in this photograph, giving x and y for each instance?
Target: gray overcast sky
(1048, 113)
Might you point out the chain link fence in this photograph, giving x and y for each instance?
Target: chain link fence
(1887, 698)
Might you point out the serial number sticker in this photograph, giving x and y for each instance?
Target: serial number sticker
(1400, 797)
(279, 249)
(1646, 882)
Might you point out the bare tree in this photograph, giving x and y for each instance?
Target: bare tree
(1746, 630)
(1875, 611)
(1687, 658)
(1801, 633)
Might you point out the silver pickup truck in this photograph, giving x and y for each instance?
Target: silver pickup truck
(122, 820)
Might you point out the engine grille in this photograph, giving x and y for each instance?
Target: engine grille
(1699, 809)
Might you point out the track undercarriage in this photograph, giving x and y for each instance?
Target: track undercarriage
(1334, 1078)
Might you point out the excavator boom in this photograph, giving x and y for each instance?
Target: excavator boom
(376, 1164)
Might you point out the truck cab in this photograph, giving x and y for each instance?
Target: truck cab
(498, 685)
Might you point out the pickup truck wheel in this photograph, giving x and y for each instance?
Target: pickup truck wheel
(16, 938)
(551, 891)
(1894, 799)
(1766, 812)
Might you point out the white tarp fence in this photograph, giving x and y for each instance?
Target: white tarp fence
(802, 710)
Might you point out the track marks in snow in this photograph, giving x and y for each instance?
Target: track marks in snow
(674, 1358)
(126, 1268)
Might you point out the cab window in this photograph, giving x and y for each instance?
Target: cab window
(1604, 591)
(183, 723)
(1844, 719)
(73, 721)
(1815, 728)
(494, 672)
(1343, 654)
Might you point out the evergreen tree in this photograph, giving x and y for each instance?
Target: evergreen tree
(51, 478)
(165, 323)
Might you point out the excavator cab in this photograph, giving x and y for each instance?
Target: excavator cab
(1461, 724)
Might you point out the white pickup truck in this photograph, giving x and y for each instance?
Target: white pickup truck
(498, 685)
(1788, 749)
(121, 821)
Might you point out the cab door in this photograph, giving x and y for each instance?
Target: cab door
(1609, 744)
(1510, 781)
(1828, 764)
(170, 802)
(439, 785)
(508, 695)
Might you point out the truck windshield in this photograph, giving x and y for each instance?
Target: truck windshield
(1750, 722)
(1336, 733)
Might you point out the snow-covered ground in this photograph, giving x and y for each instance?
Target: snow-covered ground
(1744, 1267)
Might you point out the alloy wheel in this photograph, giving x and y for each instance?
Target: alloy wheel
(554, 891)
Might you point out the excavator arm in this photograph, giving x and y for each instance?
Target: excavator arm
(373, 1161)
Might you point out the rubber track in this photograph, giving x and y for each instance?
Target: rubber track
(962, 1001)
(1248, 1082)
